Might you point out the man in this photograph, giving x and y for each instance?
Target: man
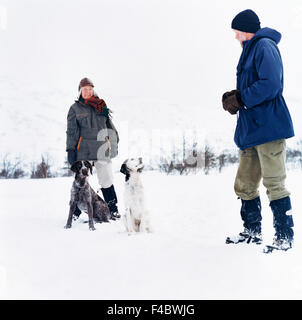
(263, 124)
(92, 136)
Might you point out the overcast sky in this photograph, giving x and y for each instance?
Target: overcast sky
(181, 50)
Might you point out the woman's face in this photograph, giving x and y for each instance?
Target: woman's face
(87, 92)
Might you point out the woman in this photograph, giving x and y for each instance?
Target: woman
(92, 136)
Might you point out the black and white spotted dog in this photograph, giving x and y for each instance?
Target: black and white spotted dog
(85, 198)
(136, 216)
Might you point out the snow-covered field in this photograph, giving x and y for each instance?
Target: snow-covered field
(185, 257)
(162, 67)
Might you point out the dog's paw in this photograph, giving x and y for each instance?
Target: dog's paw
(91, 228)
(68, 226)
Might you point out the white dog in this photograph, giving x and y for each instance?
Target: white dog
(136, 217)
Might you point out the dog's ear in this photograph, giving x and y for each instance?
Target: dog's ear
(140, 169)
(75, 167)
(89, 166)
(124, 169)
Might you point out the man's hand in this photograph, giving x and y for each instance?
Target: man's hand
(231, 101)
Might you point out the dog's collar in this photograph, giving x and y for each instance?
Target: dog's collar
(81, 187)
(78, 186)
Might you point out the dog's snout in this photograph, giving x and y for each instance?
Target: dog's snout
(85, 172)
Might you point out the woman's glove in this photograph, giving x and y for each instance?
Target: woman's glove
(71, 156)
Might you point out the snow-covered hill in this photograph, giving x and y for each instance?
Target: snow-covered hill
(185, 257)
(33, 123)
(162, 66)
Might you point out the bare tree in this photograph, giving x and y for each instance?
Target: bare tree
(11, 169)
(222, 160)
(41, 170)
(66, 169)
(209, 159)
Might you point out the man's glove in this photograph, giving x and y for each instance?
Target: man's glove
(71, 156)
(231, 101)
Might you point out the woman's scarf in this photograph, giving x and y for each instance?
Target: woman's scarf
(98, 104)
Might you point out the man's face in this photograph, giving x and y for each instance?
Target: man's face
(87, 92)
(243, 36)
(240, 36)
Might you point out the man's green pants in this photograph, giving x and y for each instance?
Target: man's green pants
(265, 161)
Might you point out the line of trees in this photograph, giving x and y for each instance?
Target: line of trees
(11, 170)
(15, 168)
(197, 160)
(183, 160)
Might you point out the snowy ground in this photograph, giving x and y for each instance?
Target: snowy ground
(185, 258)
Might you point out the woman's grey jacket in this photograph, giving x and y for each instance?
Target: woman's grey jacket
(88, 131)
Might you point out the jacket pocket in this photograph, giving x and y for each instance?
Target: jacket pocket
(273, 148)
(254, 118)
(79, 143)
(98, 150)
(83, 150)
(83, 120)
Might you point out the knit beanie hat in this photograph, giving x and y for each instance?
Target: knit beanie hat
(246, 21)
(85, 82)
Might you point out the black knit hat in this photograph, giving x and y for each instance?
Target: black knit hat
(246, 21)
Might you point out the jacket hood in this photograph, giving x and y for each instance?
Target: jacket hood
(267, 33)
(249, 44)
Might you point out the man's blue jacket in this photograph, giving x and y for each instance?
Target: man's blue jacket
(265, 116)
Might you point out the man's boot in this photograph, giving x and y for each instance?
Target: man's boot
(283, 224)
(111, 200)
(251, 216)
